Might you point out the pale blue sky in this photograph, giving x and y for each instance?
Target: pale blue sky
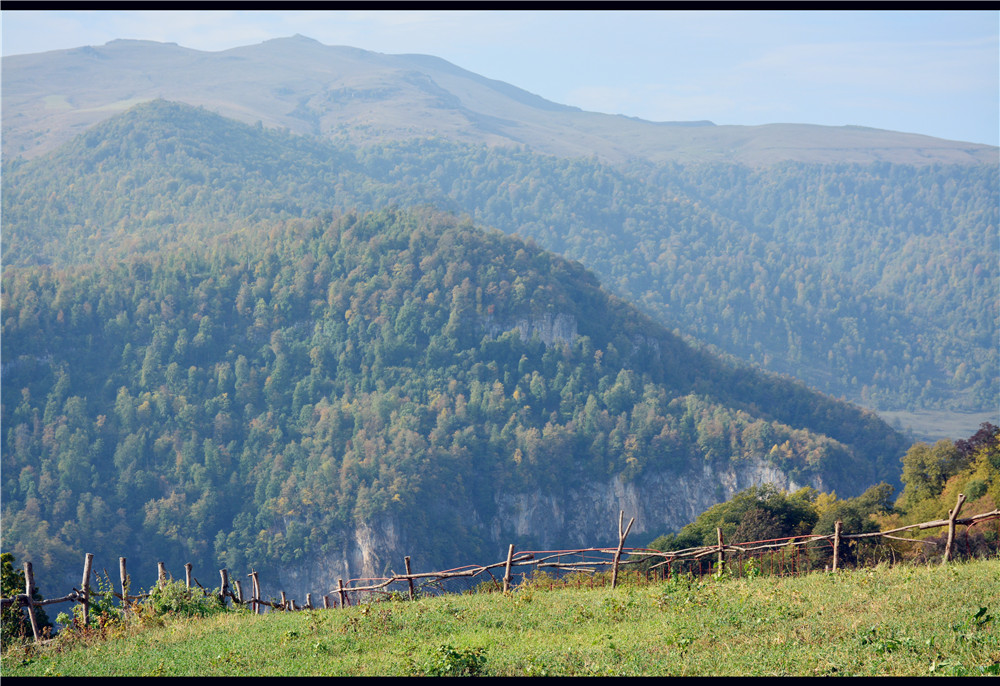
(930, 72)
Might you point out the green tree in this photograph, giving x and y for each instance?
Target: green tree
(926, 469)
(14, 619)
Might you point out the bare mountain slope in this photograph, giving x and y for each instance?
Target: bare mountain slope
(342, 92)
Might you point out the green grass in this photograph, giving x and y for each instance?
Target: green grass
(886, 621)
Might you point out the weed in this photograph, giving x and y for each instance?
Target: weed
(967, 629)
(491, 586)
(524, 596)
(536, 668)
(453, 611)
(618, 609)
(159, 670)
(682, 641)
(447, 661)
(882, 640)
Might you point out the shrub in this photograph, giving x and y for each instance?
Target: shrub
(173, 597)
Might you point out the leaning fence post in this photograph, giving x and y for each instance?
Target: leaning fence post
(952, 516)
(256, 592)
(506, 574)
(837, 526)
(85, 587)
(29, 591)
(621, 544)
(409, 579)
(239, 590)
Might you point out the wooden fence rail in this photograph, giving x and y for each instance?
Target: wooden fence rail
(587, 560)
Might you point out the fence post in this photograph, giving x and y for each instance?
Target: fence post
(309, 601)
(187, 574)
(837, 526)
(506, 574)
(256, 592)
(409, 579)
(125, 582)
(223, 584)
(621, 544)
(326, 602)
(722, 554)
(239, 590)
(29, 591)
(88, 561)
(161, 573)
(952, 516)
(343, 596)
(284, 603)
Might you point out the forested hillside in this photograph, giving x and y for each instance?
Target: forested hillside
(872, 282)
(246, 400)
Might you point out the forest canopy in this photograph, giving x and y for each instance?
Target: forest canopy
(872, 282)
(247, 400)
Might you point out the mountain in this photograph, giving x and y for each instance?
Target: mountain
(343, 93)
(320, 396)
(245, 346)
(872, 282)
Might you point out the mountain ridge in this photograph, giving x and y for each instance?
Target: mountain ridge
(331, 91)
(848, 277)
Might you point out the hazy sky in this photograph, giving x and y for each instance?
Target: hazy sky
(929, 72)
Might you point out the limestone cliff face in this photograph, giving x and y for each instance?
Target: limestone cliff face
(659, 503)
(371, 549)
(550, 327)
(583, 517)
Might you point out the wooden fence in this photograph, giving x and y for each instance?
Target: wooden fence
(587, 560)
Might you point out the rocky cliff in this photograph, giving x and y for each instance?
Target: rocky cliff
(582, 517)
(550, 327)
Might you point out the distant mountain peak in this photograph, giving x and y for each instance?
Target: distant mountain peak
(340, 92)
(298, 38)
(125, 42)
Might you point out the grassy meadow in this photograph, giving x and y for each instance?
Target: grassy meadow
(902, 620)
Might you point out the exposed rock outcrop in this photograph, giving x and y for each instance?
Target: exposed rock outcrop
(581, 517)
(550, 327)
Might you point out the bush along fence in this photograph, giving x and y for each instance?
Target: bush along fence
(776, 556)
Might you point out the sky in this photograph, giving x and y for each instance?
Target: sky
(930, 72)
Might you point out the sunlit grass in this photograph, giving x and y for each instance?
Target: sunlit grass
(886, 621)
